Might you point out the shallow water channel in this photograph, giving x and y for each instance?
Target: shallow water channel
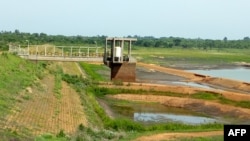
(152, 113)
(241, 74)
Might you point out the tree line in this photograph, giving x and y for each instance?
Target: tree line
(22, 38)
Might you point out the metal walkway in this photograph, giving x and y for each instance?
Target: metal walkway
(62, 58)
(58, 53)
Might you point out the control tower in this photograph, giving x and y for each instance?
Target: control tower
(117, 56)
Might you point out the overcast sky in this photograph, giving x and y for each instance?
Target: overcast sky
(207, 19)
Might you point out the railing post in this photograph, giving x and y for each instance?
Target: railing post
(36, 50)
(96, 52)
(45, 50)
(88, 52)
(62, 52)
(79, 51)
(54, 51)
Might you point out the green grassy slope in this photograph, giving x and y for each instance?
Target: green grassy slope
(15, 75)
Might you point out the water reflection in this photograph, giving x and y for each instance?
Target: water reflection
(241, 74)
(148, 113)
(165, 117)
(192, 84)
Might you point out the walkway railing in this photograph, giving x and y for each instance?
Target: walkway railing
(58, 53)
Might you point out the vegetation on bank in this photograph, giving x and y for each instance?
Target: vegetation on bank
(128, 125)
(192, 56)
(92, 71)
(100, 121)
(58, 82)
(102, 91)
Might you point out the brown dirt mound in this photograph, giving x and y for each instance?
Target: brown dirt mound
(178, 89)
(173, 136)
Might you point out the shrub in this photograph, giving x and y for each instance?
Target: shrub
(61, 134)
(81, 127)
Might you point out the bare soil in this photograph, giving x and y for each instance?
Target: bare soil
(41, 112)
(174, 136)
(185, 90)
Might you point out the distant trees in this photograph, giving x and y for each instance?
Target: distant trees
(17, 37)
(177, 41)
(246, 38)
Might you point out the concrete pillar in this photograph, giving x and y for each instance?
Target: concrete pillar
(123, 72)
(129, 49)
(122, 46)
(113, 50)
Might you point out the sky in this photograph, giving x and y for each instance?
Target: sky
(206, 19)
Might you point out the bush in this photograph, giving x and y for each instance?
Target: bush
(61, 134)
(124, 124)
(81, 127)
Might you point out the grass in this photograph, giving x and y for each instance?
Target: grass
(50, 137)
(88, 134)
(220, 99)
(129, 125)
(58, 82)
(101, 91)
(206, 96)
(21, 73)
(168, 56)
(16, 75)
(81, 85)
(100, 120)
(92, 71)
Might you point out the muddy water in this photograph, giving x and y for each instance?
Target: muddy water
(192, 84)
(150, 113)
(151, 76)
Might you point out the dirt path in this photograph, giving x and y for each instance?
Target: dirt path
(71, 68)
(173, 136)
(81, 70)
(105, 106)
